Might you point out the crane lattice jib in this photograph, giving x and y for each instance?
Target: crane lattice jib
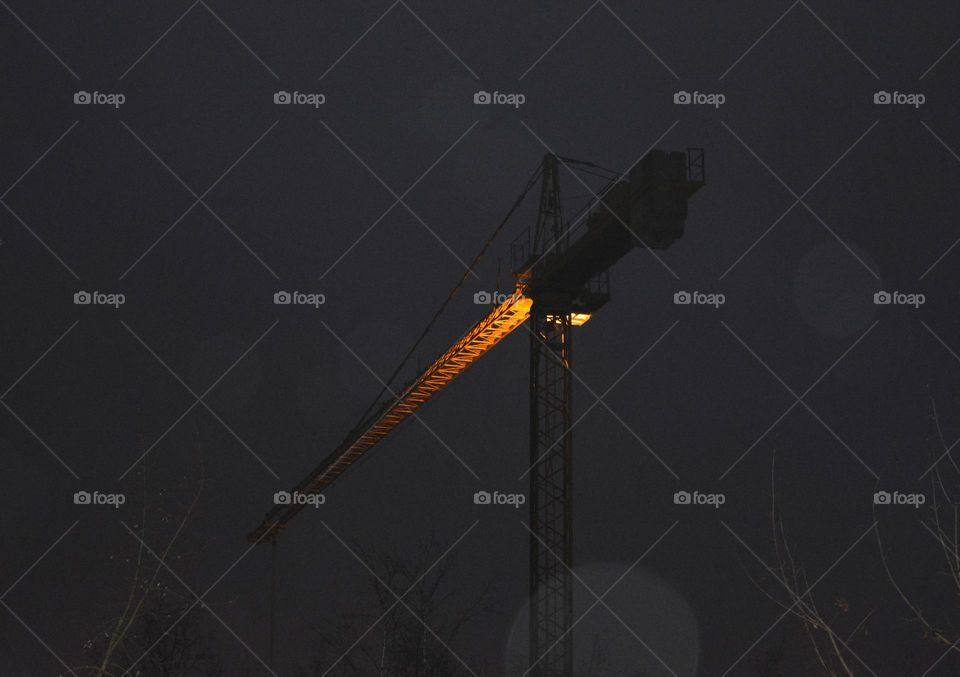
(652, 206)
(487, 333)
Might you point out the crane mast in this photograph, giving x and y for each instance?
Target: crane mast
(562, 278)
(569, 281)
(551, 443)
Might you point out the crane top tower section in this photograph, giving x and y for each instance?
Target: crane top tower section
(648, 209)
(563, 272)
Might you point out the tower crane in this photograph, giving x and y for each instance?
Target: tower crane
(561, 279)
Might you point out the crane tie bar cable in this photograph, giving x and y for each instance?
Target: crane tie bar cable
(453, 292)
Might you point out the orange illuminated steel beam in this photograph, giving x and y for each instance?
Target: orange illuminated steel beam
(482, 337)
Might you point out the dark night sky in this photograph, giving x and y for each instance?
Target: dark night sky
(289, 196)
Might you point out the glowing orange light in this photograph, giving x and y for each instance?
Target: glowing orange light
(576, 319)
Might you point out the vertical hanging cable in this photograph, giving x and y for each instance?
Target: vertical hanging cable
(273, 602)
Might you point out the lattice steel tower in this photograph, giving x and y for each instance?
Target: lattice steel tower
(562, 277)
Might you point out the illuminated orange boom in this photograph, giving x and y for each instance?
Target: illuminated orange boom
(487, 333)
